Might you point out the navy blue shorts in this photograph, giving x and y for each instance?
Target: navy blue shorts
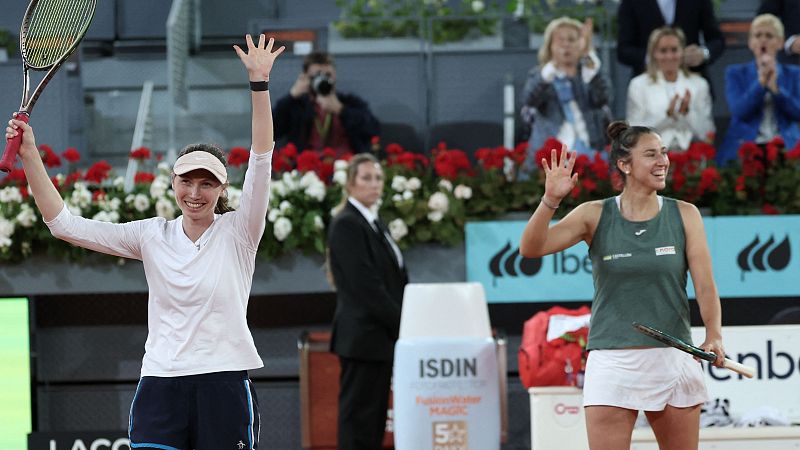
(210, 411)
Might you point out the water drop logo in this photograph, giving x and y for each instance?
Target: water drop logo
(766, 256)
(508, 262)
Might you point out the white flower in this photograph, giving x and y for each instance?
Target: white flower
(6, 228)
(446, 185)
(165, 208)
(101, 216)
(5, 242)
(27, 216)
(114, 203)
(316, 191)
(435, 216)
(164, 168)
(279, 188)
(234, 197)
(141, 202)
(408, 195)
(308, 179)
(438, 202)
(318, 222)
(273, 215)
(285, 207)
(119, 182)
(81, 196)
(463, 192)
(397, 198)
(398, 229)
(399, 183)
(113, 217)
(341, 164)
(478, 6)
(10, 194)
(413, 184)
(158, 188)
(282, 228)
(340, 177)
(290, 180)
(129, 199)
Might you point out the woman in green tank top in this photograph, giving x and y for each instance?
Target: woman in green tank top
(642, 246)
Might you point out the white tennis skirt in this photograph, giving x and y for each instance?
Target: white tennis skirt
(643, 379)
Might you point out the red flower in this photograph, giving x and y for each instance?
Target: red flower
(451, 163)
(308, 160)
(699, 151)
(678, 180)
(16, 177)
(328, 153)
(794, 153)
(520, 152)
(238, 156)
(588, 184)
(98, 195)
(740, 184)
(49, 156)
(709, 179)
(599, 167)
(71, 154)
(492, 158)
(375, 140)
(140, 153)
(394, 149)
(98, 172)
(143, 177)
(23, 190)
(769, 209)
(283, 160)
(72, 178)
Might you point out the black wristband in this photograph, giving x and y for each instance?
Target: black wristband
(259, 86)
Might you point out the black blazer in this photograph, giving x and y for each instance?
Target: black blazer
(294, 117)
(369, 289)
(638, 18)
(789, 13)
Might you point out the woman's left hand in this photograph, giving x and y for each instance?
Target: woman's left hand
(258, 59)
(714, 345)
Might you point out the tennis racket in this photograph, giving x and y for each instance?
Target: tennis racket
(50, 32)
(692, 350)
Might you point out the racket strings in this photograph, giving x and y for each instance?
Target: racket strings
(54, 28)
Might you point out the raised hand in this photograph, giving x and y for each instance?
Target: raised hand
(587, 30)
(687, 100)
(559, 179)
(258, 59)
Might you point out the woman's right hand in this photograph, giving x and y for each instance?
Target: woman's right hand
(559, 179)
(28, 146)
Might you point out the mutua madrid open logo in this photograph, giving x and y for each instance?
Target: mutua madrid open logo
(508, 262)
(764, 256)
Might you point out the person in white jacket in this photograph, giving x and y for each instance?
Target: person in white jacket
(669, 98)
(194, 390)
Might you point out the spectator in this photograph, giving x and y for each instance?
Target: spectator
(314, 115)
(566, 97)
(789, 13)
(638, 18)
(763, 95)
(668, 97)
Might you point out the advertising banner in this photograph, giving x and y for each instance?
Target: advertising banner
(774, 351)
(446, 394)
(86, 440)
(752, 256)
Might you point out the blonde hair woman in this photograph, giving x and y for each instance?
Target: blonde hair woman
(566, 96)
(669, 98)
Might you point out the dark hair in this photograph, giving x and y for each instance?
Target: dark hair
(623, 138)
(222, 202)
(321, 58)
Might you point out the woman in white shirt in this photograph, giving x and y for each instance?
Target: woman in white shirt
(668, 97)
(194, 392)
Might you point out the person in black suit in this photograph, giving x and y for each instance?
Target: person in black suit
(369, 274)
(638, 18)
(789, 13)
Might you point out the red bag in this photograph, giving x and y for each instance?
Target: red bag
(542, 363)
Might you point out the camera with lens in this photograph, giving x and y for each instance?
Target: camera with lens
(322, 84)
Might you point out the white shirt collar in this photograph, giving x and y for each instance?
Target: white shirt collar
(368, 213)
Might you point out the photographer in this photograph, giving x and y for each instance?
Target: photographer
(314, 115)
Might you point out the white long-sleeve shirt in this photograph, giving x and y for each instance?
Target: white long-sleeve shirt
(648, 101)
(198, 291)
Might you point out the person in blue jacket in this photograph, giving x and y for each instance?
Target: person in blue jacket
(763, 95)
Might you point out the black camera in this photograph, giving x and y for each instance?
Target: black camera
(322, 84)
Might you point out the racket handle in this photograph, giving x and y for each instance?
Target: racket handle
(739, 368)
(12, 146)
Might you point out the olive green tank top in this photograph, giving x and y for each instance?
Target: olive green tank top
(640, 273)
